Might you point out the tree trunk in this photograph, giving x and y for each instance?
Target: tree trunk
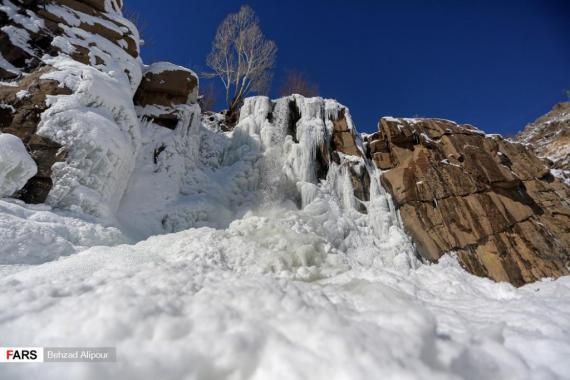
(232, 114)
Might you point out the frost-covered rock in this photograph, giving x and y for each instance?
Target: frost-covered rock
(166, 84)
(98, 126)
(84, 131)
(16, 165)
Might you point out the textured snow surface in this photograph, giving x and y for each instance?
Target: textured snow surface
(35, 234)
(159, 67)
(268, 271)
(16, 165)
(205, 304)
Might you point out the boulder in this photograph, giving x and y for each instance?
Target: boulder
(166, 84)
(490, 201)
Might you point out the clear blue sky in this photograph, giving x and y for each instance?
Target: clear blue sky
(497, 64)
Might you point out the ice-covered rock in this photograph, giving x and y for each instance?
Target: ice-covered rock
(166, 84)
(16, 165)
(99, 128)
(83, 132)
(283, 152)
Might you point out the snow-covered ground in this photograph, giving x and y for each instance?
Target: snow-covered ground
(268, 273)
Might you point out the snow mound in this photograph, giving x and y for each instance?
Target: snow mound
(160, 67)
(244, 303)
(35, 234)
(16, 165)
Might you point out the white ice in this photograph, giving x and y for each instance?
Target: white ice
(16, 165)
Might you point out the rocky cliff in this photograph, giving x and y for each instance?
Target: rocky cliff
(492, 202)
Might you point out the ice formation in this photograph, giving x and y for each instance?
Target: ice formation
(16, 165)
(195, 177)
(100, 128)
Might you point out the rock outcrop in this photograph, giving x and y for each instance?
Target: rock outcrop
(549, 137)
(491, 201)
(165, 87)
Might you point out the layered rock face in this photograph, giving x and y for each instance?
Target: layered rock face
(549, 137)
(491, 201)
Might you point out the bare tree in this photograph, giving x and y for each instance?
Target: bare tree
(208, 99)
(241, 57)
(138, 21)
(296, 82)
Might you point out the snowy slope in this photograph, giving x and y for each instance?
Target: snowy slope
(262, 270)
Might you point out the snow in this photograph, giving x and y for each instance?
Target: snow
(159, 67)
(238, 303)
(22, 94)
(16, 165)
(34, 234)
(563, 175)
(4, 64)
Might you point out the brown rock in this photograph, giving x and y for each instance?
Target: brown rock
(167, 85)
(344, 139)
(491, 201)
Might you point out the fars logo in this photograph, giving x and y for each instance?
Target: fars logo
(21, 354)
